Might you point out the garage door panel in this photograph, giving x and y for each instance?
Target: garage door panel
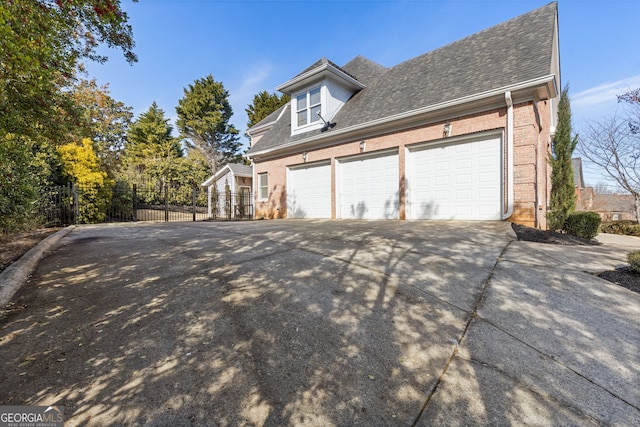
(464, 194)
(368, 187)
(309, 191)
(458, 181)
(487, 161)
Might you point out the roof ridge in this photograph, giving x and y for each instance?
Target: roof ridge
(480, 33)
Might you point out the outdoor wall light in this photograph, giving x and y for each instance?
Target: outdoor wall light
(363, 146)
(447, 130)
(304, 156)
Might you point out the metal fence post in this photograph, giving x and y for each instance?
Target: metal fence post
(134, 197)
(166, 202)
(194, 196)
(76, 203)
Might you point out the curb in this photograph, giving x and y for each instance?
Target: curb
(16, 275)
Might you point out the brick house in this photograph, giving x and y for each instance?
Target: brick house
(461, 132)
(614, 207)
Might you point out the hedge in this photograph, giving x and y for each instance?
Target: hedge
(582, 224)
(626, 228)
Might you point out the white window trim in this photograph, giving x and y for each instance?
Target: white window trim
(311, 125)
(260, 186)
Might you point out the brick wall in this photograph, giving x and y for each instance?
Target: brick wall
(526, 136)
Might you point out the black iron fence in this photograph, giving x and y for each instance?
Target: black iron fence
(228, 205)
(76, 204)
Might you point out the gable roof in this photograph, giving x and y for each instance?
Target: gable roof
(269, 120)
(516, 53)
(321, 62)
(241, 170)
(318, 71)
(614, 203)
(235, 169)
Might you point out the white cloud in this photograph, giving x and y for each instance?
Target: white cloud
(252, 81)
(604, 93)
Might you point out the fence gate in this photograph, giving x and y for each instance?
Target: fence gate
(75, 204)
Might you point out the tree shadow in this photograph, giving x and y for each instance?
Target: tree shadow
(553, 346)
(261, 323)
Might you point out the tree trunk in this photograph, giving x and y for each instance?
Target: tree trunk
(636, 196)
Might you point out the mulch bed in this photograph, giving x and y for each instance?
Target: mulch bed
(14, 246)
(624, 276)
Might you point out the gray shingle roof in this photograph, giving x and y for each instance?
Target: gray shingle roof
(515, 51)
(614, 203)
(270, 118)
(240, 169)
(319, 63)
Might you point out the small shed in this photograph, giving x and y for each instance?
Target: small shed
(229, 192)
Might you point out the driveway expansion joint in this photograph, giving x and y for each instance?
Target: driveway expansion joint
(472, 315)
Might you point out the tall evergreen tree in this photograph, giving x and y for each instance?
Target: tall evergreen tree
(203, 120)
(264, 104)
(151, 150)
(563, 196)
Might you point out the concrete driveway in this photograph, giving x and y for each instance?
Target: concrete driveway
(282, 323)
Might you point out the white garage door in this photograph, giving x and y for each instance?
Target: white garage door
(309, 191)
(369, 187)
(456, 181)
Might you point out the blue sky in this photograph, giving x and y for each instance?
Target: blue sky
(252, 46)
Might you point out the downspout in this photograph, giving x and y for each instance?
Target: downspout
(509, 143)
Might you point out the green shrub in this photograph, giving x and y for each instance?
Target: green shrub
(555, 220)
(582, 224)
(634, 259)
(625, 228)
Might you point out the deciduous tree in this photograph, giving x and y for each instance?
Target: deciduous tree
(24, 170)
(81, 166)
(43, 43)
(613, 144)
(105, 122)
(203, 120)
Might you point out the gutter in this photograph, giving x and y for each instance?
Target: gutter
(510, 174)
(548, 81)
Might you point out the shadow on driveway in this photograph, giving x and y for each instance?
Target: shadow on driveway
(276, 323)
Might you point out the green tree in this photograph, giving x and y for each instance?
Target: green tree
(43, 43)
(81, 165)
(105, 121)
(264, 104)
(151, 151)
(563, 196)
(203, 120)
(192, 169)
(24, 171)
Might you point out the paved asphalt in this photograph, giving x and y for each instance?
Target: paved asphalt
(323, 323)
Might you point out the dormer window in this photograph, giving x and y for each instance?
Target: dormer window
(322, 88)
(308, 105)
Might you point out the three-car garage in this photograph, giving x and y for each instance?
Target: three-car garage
(459, 180)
